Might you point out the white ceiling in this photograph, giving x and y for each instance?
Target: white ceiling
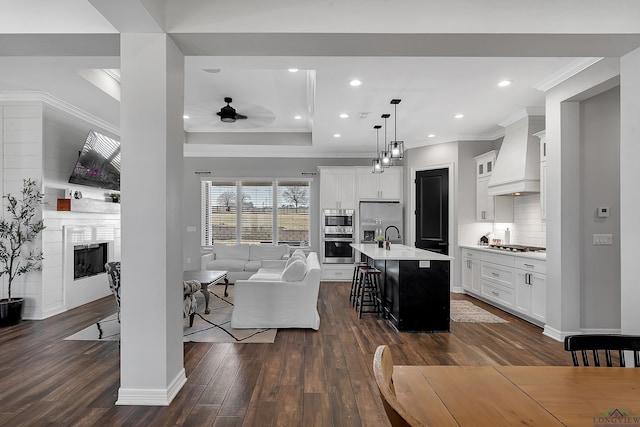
(433, 88)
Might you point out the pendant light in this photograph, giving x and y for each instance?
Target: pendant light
(385, 156)
(396, 148)
(377, 162)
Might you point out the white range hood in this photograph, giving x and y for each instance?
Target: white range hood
(517, 168)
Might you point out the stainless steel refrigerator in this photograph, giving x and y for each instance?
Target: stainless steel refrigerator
(390, 218)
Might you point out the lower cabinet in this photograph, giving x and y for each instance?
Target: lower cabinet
(337, 272)
(531, 289)
(471, 271)
(514, 283)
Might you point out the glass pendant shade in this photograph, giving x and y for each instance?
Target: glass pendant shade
(376, 163)
(396, 149)
(377, 166)
(385, 157)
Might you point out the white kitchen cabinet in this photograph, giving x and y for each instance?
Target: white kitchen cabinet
(485, 163)
(471, 270)
(337, 187)
(514, 283)
(490, 208)
(531, 289)
(383, 186)
(543, 173)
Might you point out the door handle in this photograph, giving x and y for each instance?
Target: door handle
(442, 243)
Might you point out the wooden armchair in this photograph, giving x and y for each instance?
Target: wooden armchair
(383, 371)
(602, 343)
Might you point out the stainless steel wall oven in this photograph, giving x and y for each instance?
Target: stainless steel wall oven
(337, 236)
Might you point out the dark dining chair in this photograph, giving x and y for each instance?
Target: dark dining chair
(383, 371)
(597, 344)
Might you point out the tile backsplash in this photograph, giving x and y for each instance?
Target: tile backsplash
(527, 228)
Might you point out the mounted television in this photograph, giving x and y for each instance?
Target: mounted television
(98, 164)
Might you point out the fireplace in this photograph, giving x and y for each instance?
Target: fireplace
(89, 259)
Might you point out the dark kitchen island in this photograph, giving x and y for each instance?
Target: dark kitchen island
(415, 286)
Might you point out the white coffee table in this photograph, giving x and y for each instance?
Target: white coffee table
(206, 279)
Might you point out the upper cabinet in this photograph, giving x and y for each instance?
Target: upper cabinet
(337, 187)
(485, 163)
(543, 173)
(380, 186)
(490, 208)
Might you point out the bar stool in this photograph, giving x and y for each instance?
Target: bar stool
(369, 291)
(355, 281)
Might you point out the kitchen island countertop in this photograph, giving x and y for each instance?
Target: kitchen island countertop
(398, 252)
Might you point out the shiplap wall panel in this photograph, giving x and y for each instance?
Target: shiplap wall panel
(21, 159)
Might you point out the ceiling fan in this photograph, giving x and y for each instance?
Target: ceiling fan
(228, 113)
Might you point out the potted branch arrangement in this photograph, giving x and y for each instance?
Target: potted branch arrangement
(18, 229)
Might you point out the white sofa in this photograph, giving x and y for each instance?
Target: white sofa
(243, 260)
(269, 300)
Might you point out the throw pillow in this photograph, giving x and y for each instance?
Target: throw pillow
(294, 272)
(293, 258)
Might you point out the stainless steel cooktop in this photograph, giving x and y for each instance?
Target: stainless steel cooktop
(517, 248)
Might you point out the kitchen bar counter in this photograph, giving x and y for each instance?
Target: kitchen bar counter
(415, 286)
(398, 252)
(534, 255)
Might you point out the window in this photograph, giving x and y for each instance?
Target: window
(293, 212)
(255, 211)
(256, 221)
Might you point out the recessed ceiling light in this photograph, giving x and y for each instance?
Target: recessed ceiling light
(185, 117)
(355, 82)
(458, 116)
(504, 83)
(336, 135)
(293, 70)
(431, 135)
(344, 116)
(297, 117)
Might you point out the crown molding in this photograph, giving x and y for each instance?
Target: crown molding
(566, 73)
(60, 105)
(521, 114)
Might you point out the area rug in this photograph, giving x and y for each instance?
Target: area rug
(212, 327)
(466, 311)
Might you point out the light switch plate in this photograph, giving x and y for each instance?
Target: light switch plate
(603, 239)
(603, 212)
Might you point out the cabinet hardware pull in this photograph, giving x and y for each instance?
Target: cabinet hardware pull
(529, 265)
(496, 274)
(495, 293)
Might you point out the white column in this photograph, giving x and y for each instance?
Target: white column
(629, 194)
(563, 197)
(151, 356)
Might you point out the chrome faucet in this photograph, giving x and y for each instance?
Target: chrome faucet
(392, 226)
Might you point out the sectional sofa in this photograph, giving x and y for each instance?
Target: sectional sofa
(243, 260)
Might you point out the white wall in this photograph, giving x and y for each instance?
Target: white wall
(600, 186)
(21, 144)
(248, 167)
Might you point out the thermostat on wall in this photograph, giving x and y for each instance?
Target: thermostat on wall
(603, 212)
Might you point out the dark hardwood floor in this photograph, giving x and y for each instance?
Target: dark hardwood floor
(306, 378)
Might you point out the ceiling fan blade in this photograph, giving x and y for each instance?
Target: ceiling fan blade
(240, 117)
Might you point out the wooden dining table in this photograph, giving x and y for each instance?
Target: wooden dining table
(519, 395)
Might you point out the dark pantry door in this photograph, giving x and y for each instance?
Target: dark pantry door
(432, 210)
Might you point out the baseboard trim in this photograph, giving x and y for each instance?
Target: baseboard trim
(152, 397)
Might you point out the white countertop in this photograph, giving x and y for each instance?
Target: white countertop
(534, 255)
(398, 252)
